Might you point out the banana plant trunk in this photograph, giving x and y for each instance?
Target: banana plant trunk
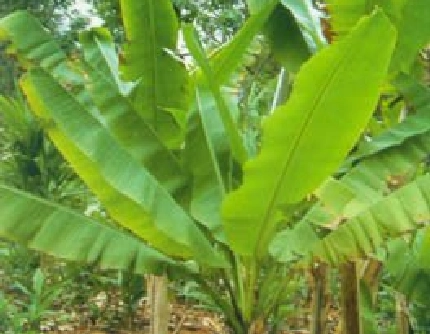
(370, 277)
(159, 304)
(402, 317)
(319, 305)
(350, 298)
(371, 270)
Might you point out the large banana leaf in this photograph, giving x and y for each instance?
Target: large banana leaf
(117, 115)
(373, 178)
(299, 148)
(61, 232)
(128, 191)
(31, 43)
(344, 15)
(418, 123)
(414, 34)
(229, 57)
(122, 120)
(151, 28)
(386, 163)
(407, 269)
(411, 37)
(402, 212)
(35, 47)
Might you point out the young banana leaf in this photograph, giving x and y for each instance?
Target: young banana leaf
(299, 135)
(151, 29)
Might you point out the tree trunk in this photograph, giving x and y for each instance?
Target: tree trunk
(159, 304)
(350, 298)
(370, 277)
(319, 303)
(402, 315)
(368, 295)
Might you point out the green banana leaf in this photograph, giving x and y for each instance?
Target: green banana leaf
(309, 21)
(418, 123)
(132, 195)
(151, 29)
(402, 212)
(33, 46)
(31, 43)
(298, 24)
(415, 93)
(100, 52)
(377, 176)
(300, 134)
(284, 35)
(120, 117)
(412, 126)
(343, 15)
(229, 57)
(293, 243)
(407, 267)
(61, 232)
(286, 39)
(414, 34)
(206, 152)
(387, 162)
(411, 37)
(231, 129)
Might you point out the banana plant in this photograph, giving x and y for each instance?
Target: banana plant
(159, 142)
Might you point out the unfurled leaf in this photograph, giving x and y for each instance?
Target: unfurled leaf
(299, 149)
(120, 117)
(151, 29)
(404, 211)
(131, 194)
(63, 233)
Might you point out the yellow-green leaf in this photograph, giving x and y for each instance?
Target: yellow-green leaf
(306, 139)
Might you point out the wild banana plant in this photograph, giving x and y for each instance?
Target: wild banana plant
(161, 146)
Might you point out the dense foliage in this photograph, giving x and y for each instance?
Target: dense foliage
(203, 177)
